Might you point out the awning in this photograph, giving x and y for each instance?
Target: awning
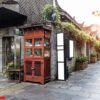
(9, 18)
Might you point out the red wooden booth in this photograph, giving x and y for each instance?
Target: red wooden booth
(37, 54)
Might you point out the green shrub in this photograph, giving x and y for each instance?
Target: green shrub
(48, 10)
(81, 58)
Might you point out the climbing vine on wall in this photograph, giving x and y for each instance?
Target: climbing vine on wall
(76, 34)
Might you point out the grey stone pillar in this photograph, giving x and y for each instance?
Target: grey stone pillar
(53, 53)
(0, 54)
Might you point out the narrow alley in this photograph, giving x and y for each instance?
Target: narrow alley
(81, 85)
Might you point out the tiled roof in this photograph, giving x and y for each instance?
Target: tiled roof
(33, 9)
(68, 17)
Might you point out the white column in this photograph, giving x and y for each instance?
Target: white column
(60, 56)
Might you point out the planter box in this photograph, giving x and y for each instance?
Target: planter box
(93, 59)
(98, 57)
(81, 65)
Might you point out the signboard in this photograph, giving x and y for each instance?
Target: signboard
(60, 56)
(61, 71)
(60, 39)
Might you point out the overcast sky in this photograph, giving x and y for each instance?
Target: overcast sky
(82, 10)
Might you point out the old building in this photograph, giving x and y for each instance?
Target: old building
(33, 10)
(10, 18)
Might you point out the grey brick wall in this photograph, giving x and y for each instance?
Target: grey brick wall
(33, 9)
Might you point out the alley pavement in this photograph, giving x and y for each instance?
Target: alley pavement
(81, 85)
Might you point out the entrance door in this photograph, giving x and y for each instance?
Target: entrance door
(28, 70)
(37, 70)
(28, 59)
(8, 52)
(33, 64)
(33, 70)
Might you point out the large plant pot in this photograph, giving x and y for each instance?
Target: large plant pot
(98, 57)
(81, 65)
(93, 59)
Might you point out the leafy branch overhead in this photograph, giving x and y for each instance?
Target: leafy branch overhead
(51, 13)
(78, 35)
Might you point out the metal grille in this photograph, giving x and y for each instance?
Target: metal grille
(28, 67)
(37, 71)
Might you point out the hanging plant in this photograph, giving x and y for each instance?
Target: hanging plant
(91, 41)
(97, 46)
(71, 29)
(50, 13)
(82, 37)
(79, 36)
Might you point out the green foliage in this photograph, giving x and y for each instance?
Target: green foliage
(70, 27)
(75, 33)
(6, 68)
(9, 66)
(92, 41)
(97, 46)
(79, 36)
(93, 55)
(81, 58)
(47, 13)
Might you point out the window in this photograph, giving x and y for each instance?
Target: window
(70, 48)
(47, 42)
(47, 53)
(37, 52)
(28, 42)
(38, 42)
(28, 52)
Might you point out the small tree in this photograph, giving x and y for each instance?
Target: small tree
(50, 13)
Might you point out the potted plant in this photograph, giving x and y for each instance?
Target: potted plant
(93, 58)
(81, 62)
(98, 56)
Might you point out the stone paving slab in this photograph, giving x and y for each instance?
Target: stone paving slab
(4, 82)
(81, 85)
